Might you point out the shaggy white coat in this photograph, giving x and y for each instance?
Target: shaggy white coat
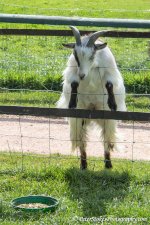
(99, 68)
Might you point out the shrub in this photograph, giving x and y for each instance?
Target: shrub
(135, 83)
(31, 81)
(53, 82)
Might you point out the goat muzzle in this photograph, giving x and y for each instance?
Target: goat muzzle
(82, 75)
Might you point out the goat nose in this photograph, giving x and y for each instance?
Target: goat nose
(82, 75)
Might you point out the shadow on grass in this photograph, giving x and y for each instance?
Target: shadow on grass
(97, 190)
(21, 217)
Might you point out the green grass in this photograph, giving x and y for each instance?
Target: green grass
(121, 192)
(98, 8)
(138, 103)
(29, 98)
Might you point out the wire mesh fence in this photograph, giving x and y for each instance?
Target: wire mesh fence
(31, 75)
(35, 150)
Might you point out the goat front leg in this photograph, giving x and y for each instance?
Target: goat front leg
(111, 98)
(83, 164)
(73, 98)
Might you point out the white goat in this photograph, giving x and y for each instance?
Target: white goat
(92, 81)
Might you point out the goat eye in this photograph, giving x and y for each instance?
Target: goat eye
(92, 56)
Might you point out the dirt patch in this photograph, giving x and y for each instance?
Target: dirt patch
(47, 136)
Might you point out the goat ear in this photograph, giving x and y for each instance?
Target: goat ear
(100, 46)
(69, 45)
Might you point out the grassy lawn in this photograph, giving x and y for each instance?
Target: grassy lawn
(121, 192)
(100, 8)
(29, 98)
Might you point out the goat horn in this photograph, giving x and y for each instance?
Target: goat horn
(76, 34)
(94, 37)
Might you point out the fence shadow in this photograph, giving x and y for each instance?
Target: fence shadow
(96, 190)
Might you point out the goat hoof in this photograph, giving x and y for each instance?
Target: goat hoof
(108, 165)
(83, 166)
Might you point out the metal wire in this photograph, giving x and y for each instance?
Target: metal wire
(11, 62)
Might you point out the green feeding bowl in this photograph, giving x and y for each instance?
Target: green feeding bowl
(35, 203)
